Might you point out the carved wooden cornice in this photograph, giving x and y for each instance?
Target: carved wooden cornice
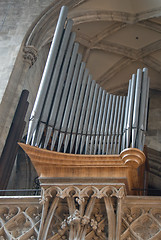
(118, 167)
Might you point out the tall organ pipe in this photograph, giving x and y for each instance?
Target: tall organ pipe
(74, 114)
(46, 77)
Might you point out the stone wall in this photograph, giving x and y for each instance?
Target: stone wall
(15, 20)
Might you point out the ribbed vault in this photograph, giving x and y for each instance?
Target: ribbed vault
(112, 38)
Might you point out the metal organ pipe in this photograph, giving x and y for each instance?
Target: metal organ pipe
(73, 114)
(46, 77)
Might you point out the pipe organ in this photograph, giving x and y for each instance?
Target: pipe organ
(73, 114)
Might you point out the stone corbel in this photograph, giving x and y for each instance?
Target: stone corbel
(30, 54)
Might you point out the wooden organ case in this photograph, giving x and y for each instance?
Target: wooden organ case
(77, 130)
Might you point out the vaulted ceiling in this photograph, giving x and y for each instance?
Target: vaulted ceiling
(117, 37)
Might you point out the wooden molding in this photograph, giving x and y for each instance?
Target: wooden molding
(63, 165)
(132, 157)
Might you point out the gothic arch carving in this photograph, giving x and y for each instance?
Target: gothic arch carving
(41, 31)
